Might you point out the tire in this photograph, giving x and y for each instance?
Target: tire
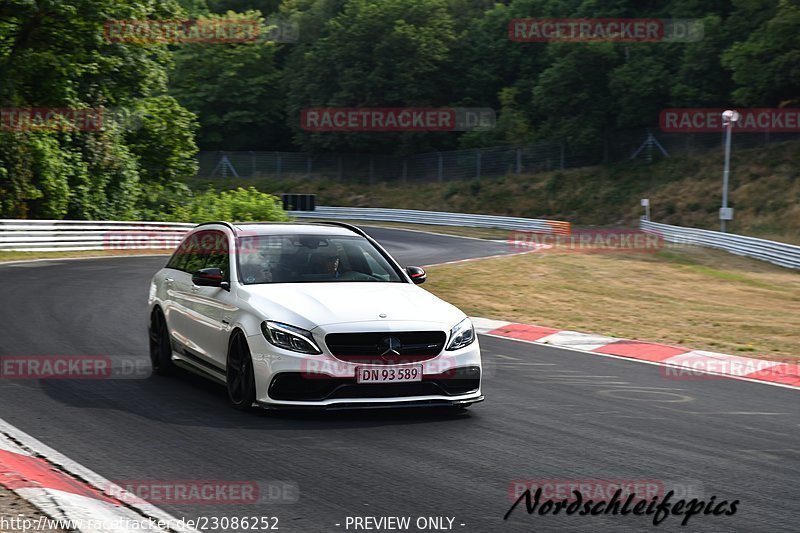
(239, 374)
(160, 345)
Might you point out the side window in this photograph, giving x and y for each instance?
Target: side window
(180, 255)
(217, 255)
(195, 256)
(201, 249)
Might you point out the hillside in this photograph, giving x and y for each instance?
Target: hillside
(765, 192)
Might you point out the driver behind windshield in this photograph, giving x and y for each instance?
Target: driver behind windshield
(328, 262)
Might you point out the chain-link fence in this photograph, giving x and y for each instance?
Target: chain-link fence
(473, 163)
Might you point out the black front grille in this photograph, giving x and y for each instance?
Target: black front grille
(296, 386)
(371, 348)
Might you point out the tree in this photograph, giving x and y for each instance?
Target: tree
(386, 54)
(571, 100)
(766, 66)
(234, 89)
(56, 54)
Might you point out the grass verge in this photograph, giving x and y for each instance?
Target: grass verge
(703, 299)
(6, 256)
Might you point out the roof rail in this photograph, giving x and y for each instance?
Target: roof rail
(220, 222)
(351, 227)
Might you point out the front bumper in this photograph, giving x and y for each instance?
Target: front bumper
(394, 404)
(286, 379)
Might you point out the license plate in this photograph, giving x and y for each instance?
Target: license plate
(388, 374)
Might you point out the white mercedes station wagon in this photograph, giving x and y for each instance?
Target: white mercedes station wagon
(309, 316)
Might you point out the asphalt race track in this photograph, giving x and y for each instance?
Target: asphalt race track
(550, 414)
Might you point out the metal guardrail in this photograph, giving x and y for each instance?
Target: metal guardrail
(79, 235)
(785, 255)
(436, 218)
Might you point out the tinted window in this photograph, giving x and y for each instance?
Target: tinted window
(218, 256)
(202, 249)
(178, 258)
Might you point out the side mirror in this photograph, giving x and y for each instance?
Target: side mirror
(417, 274)
(210, 277)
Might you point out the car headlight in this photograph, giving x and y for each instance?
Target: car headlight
(289, 337)
(461, 335)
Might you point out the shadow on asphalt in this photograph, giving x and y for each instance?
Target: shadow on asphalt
(188, 399)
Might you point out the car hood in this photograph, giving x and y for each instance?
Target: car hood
(308, 305)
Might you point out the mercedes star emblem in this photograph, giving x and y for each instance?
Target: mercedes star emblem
(390, 346)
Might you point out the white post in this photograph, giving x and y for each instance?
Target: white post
(725, 214)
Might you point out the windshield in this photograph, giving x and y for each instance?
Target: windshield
(311, 258)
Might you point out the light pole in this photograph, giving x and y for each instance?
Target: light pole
(726, 213)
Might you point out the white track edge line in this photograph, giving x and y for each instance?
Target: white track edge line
(67, 465)
(657, 363)
(469, 259)
(429, 232)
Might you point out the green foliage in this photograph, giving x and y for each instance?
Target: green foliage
(163, 139)
(176, 202)
(56, 55)
(234, 89)
(573, 100)
(512, 127)
(241, 205)
(393, 53)
(67, 175)
(766, 66)
(161, 201)
(17, 186)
